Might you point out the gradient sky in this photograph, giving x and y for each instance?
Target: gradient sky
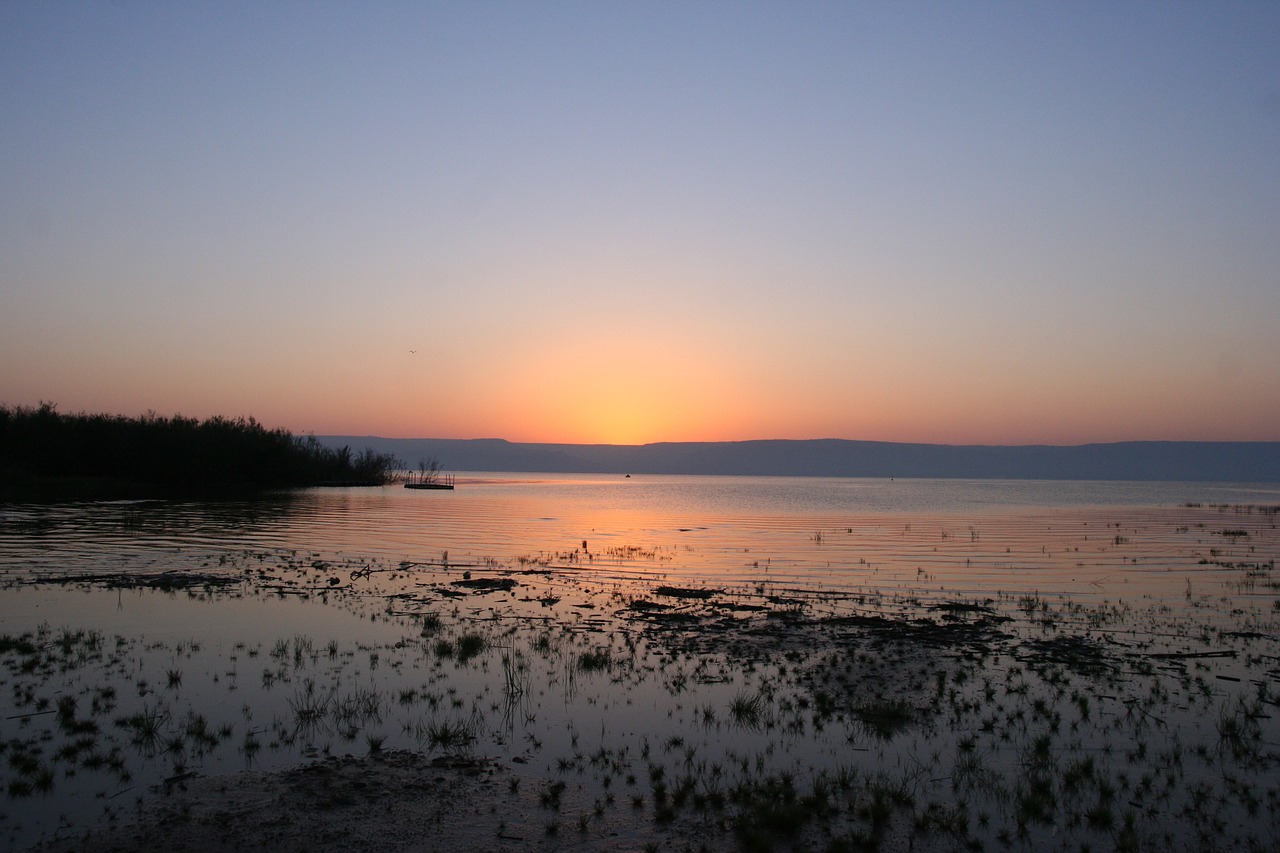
(993, 223)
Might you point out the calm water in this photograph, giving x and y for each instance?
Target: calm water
(1141, 569)
(963, 536)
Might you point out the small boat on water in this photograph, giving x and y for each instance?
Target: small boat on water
(443, 485)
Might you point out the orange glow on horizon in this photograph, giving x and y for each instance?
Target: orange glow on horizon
(644, 381)
(606, 388)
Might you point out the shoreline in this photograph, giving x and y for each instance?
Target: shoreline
(577, 708)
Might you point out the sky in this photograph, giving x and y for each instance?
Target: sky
(600, 222)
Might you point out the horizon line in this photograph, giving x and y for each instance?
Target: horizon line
(805, 440)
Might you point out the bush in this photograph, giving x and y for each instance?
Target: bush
(174, 451)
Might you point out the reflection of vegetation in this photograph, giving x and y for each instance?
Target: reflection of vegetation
(38, 445)
(885, 718)
(596, 661)
(470, 645)
(453, 735)
(811, 720)
(747, 710)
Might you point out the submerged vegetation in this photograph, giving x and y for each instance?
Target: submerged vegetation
(45, 452)
(525, 702)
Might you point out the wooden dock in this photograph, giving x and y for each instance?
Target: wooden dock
(438, 482)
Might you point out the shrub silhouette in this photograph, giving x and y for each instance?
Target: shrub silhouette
(39, 442)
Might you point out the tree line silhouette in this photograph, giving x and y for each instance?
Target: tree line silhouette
(38, 443)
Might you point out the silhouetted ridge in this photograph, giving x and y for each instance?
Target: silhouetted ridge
(1133, 460)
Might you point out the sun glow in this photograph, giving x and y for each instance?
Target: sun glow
(615, 391)
(619, 416)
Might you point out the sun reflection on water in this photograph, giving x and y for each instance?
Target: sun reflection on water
(578, 630)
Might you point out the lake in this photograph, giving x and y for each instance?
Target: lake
(147, 641)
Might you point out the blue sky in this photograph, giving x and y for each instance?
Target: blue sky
(964, 223)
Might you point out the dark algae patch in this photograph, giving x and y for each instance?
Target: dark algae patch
(691, 594)
(169, 580)
(481, 585)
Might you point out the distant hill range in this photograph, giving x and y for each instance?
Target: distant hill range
(1130, 460)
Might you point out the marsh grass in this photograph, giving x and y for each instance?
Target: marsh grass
(470, 645)
(146, 727)
(885, 719)
(516, 675)
(310, 706)
(749, 710)
(359, 705)
(453, 735)
(598, 660)
(786, 719)
(1239, 729)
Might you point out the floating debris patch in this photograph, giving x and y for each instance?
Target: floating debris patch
(480, 586)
